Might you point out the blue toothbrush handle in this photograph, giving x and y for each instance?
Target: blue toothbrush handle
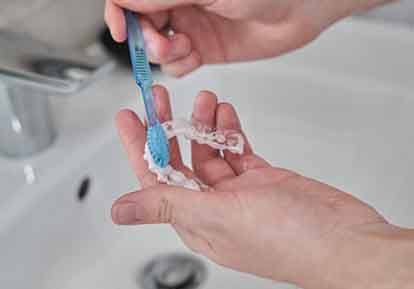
(149, 106)
(140, 64)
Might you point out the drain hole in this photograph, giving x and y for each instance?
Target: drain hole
(83, 189)
(173, 271)
(175, 275)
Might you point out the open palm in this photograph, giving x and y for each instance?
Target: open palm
(255, 218)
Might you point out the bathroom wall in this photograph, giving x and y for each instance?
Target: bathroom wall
(71, 23)
(399, 12)
(66, 23)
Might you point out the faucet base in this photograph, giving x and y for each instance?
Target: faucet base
(26, 126)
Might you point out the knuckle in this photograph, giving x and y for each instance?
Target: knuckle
(166, 212)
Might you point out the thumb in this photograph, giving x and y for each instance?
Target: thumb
(159, 204)
(149, 6)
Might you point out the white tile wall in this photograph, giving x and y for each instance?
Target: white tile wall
(67, 23)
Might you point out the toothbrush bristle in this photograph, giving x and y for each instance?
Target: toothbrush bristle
(158, 145)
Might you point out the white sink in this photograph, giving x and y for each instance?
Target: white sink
(340, 111)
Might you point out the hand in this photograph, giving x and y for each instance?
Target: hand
(256, 218)
(220, 31)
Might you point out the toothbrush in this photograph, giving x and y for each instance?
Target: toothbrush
(156, 137)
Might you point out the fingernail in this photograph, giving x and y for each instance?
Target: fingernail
(125, 213)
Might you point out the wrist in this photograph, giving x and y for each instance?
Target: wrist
(361, 6)
(334, 11)
(379, 256)
(350, 7)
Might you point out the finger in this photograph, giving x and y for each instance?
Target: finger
(204, 114)
(163, 107)
(262, 178)
(159, 19)
(148, 6)
(133, 138)
(115, 19)
(227, 119)
(160, 205)
(209, 167)
(164, 49)
(184, 65)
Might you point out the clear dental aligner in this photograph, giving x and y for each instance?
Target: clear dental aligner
(221, 140)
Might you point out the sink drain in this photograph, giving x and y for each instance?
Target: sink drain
(173, 271)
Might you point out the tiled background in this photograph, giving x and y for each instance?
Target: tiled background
(401, 12)
(73, 22)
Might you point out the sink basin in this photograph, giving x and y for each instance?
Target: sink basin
(340, 111)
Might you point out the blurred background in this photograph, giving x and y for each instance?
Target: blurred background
(53, 20)
(339, 110)
(62, 23)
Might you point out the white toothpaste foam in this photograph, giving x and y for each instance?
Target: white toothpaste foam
(168, 175)
(221, 140)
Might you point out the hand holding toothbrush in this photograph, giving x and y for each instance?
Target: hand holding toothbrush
(260, 219)
(221, 31)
